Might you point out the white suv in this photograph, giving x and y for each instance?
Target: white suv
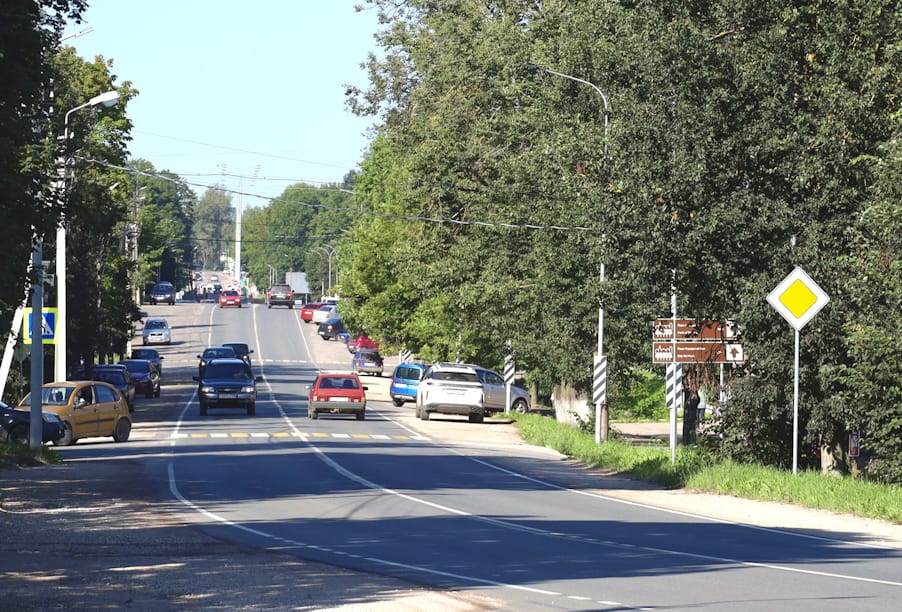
(451, 388)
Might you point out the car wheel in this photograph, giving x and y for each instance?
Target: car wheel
(269, 305)
(251, 409)
(397, 401)
(18, 434)
(157, 392)
(68, 439)
(122, 431)
(424, 414)
(361, 416)
(312, 415)
(476, 417)
(379, 374)
(520, 406)
(203, 409)
(290, 306)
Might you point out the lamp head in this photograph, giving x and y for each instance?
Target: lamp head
(108, 98)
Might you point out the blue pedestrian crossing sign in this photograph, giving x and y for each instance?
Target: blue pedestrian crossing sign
(47, 325)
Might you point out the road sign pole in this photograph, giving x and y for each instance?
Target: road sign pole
(795, 410)
(36, 436)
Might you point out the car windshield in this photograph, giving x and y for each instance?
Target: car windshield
(114, 378)
(240, 349)
(338, 382)
(371, 355)
(144, 354)
(155, 324)
(223, 351)
(410, 373)
(456, 376)
(235, 371)
(53, 396)
(137, 367)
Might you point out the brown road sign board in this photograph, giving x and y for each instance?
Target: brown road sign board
(688, 329)
(697, 352)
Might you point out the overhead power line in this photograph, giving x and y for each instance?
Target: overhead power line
(355, 210)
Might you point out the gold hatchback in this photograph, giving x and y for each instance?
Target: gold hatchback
(89, 408)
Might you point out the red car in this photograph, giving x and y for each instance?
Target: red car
(308, 309)
(361, 342)
(337, 394)
(229, 297)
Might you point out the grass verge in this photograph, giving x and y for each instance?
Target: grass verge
(697, 469)
(21, 455)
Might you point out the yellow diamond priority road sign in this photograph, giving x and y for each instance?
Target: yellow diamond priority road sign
(798, 298)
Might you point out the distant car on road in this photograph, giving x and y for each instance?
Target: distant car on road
(330, 328)
(230, 297)
(280, 294)
(150, 354)
(227, 383)
(362, 341)
(450, 388)
(367, 361)
(336, 394)
(163, 292)
(404, 382)
(242, 350)
(324, 312)
(145, 375)
(156, 331)
(213, 352)
(307, 311)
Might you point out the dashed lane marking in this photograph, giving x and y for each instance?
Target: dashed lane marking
(283, 435)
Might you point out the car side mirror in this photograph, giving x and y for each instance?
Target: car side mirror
(251, 351)
(366, 388)
(199, 357)
(162, 358)
(258, 378)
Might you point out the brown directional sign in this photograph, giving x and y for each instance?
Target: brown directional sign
(688, 329)
(697, 352)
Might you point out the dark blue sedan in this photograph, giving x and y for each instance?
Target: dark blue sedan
(15, 426)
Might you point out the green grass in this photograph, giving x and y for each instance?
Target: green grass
(22, 455)
(696, 469)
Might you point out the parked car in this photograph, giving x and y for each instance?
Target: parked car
(162, 292)
(308, 309)
(325, 312)
(404, 382)
(367, 361)
(280, 293)
(115, 374)
(330, 328)
(450, 388)
(156, 331)
(336, 393)
(145, 375)
(227, 383)
(362, 341)
(495, 392)
(88, 408)
(150, 354)
(213, 352)
(15, 425)
(242, 350)
(230, 297)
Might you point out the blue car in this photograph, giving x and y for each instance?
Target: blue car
(15, 426)
(404, 382)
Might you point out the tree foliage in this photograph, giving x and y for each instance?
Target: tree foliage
(728, 142)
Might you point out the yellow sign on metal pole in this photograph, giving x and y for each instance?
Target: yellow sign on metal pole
(798, 299)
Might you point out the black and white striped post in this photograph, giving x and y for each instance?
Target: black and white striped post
(404, 356)
(508, 375)
(599, 395)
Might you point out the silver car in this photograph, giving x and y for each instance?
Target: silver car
(495, 392)
(156, 331)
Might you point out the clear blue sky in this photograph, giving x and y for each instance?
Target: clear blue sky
(232, 87)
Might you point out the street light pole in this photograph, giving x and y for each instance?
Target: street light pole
(600, 369)
(107, 99)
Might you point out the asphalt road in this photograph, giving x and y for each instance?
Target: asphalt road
(469, 513)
